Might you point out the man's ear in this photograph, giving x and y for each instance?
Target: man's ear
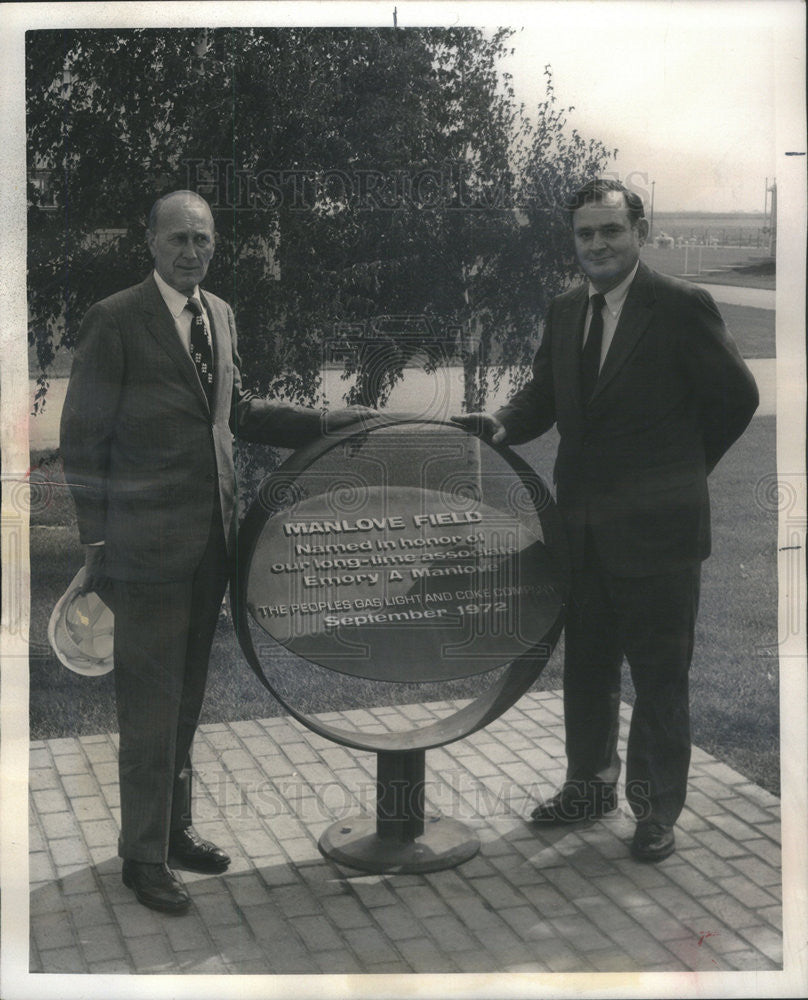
(642, 229)
(150, 242)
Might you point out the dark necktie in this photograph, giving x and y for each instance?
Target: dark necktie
(590, 356)
(201, 350)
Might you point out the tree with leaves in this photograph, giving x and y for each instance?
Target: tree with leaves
(377, 193)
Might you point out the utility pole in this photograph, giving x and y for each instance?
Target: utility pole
(651, 222)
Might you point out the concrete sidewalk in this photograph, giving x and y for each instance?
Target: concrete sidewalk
(534, 899)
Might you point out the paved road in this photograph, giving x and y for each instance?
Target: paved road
(732, 295)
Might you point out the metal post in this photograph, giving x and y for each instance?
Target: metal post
(400, 798)
(399, 839)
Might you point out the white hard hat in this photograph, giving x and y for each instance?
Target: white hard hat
(81, 630)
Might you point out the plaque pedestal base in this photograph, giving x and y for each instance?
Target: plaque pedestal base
(354, 842)
(400, 839)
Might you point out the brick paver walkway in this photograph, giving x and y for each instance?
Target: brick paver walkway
(548, 900)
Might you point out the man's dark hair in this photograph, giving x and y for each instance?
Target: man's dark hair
(594, 191)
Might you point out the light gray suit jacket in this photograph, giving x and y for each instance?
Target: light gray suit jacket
(143, 453)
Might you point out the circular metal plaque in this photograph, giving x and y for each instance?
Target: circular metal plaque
(408, 588)
(407, 551)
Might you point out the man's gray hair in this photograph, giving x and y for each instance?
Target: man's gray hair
(154, 214)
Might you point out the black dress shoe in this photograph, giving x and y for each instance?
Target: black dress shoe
(577, 801)
(186, 849)
(653, 841)
(155, 886)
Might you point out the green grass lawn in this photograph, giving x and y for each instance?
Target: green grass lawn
(734, 678)
(748, 267)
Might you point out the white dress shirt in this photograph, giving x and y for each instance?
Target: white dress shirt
(182, 317)
(615, 299)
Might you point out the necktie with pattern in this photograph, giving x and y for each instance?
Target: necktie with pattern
(590, 356)
(201, 348)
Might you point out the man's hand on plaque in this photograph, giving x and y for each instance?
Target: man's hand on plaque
(482, 425)
(335, 420)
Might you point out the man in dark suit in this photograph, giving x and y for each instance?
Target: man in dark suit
(647, 390)
(153, 402)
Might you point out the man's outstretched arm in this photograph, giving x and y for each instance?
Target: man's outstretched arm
(529, 412)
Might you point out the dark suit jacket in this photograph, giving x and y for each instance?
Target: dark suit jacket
(673, 395)
(142, 452)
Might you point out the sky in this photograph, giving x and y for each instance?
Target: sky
(685, 91)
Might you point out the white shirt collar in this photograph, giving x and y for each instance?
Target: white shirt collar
(173, 299)
(616, 296)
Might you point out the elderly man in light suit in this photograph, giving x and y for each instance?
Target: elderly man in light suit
(153, 403)
(647, 390)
